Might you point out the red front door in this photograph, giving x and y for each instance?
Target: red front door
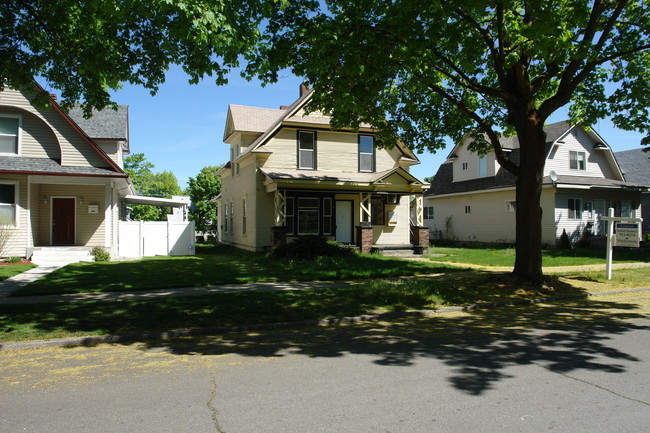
(63, 221)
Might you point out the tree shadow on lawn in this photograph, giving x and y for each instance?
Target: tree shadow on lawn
(213, 269)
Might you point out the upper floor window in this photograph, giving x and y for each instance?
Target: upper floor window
(9, 134)
(366, 153)
(7, 204)
(577, 160)
(482, 166)
(465, 165)
(307, 150)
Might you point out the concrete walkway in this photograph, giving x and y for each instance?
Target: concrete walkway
(11, 284)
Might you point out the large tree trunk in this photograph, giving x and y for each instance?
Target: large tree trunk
(528, 261)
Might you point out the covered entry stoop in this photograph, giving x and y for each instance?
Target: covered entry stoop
(45, 256)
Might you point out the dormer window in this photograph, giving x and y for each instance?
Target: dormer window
(9, 134)
(577, 160)
(307, 150)
(366, 153)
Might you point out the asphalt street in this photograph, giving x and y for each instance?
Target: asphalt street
(524, 369)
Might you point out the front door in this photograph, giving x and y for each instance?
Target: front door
(63, 214)
(344, 221)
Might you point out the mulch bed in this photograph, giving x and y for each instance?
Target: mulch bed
(21, 262)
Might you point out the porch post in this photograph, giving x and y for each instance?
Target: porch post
(419, 210)
(364, 229)
(279, 230)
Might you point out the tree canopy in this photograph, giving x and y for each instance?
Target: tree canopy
(202, 190)
(87, 48)
(423, 71)
(151, 184)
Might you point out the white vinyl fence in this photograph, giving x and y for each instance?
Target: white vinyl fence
(152, 238)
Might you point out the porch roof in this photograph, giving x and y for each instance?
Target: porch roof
(48, 166)
(277, 177)
(564, 181)
(155, 201)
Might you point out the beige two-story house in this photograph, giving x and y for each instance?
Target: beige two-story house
(61, 177)
(472, 198)
(290, 174)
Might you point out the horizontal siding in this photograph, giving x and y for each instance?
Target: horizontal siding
(37, 139)
(471, 158)
(75, 150)
(577, 140)
(17, 237)
(234, 190)
(90, 228)
(335, 152)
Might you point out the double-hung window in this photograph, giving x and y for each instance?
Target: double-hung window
(575, 208)
(428, 212)
(366, 153)
(308, 215)
(243, 216)
(307, 150)
(9, 134)
(577, 160)
(7, 204)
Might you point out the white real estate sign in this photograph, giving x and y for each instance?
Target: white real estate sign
(627, 235)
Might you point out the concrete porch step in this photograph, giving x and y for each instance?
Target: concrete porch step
(46, 256)
(401, 250)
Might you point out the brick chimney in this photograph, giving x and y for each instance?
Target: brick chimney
(53, 96)
(303, 90)
(284, 107)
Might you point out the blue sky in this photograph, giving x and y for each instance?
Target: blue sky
(180, 129)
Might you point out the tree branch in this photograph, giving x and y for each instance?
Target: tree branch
(483, 124)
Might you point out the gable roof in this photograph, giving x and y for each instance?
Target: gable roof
(81, 132)
(290, 117)
(105, 124)
(635, 165)
(243, 118)
(46, 166)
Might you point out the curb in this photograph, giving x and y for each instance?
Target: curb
(168, 335)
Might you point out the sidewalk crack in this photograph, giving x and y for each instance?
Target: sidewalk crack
(211, 405)
(591, 384)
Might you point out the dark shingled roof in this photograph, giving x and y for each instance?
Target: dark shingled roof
(49, 166)
(104, 124)
(635, 165)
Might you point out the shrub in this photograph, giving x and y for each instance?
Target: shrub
(13, 259)
(310, 247)
(565, 243)
(101, 255)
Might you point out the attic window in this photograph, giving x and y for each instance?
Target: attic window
(9, 134)
(577, 160)
(482, 166)
(366, 153)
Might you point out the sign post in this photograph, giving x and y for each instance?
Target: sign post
(627, 235)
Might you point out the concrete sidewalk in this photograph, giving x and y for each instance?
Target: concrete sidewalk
(11, 284)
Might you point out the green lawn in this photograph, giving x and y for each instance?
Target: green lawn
(506, 256)
(46, 321)
(7, 271)
(217, 265)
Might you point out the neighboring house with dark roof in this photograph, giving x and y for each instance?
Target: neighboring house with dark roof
(636, 168)
(472, 198)
(290, 175)
(61, 176)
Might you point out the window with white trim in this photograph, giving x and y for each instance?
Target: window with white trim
(465, 165)
(9, 134)
(574, 208)
(577, 160)
(232, 212)
(307, 150)
(366, 153)
(8, 204)
(428, 212)
(511, 206)
(226, 217)
(327, 216)
(482, 166)
(468, 209)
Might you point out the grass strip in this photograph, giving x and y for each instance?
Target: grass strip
(47, 321)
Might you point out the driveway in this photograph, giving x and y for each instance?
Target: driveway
(579, 366)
